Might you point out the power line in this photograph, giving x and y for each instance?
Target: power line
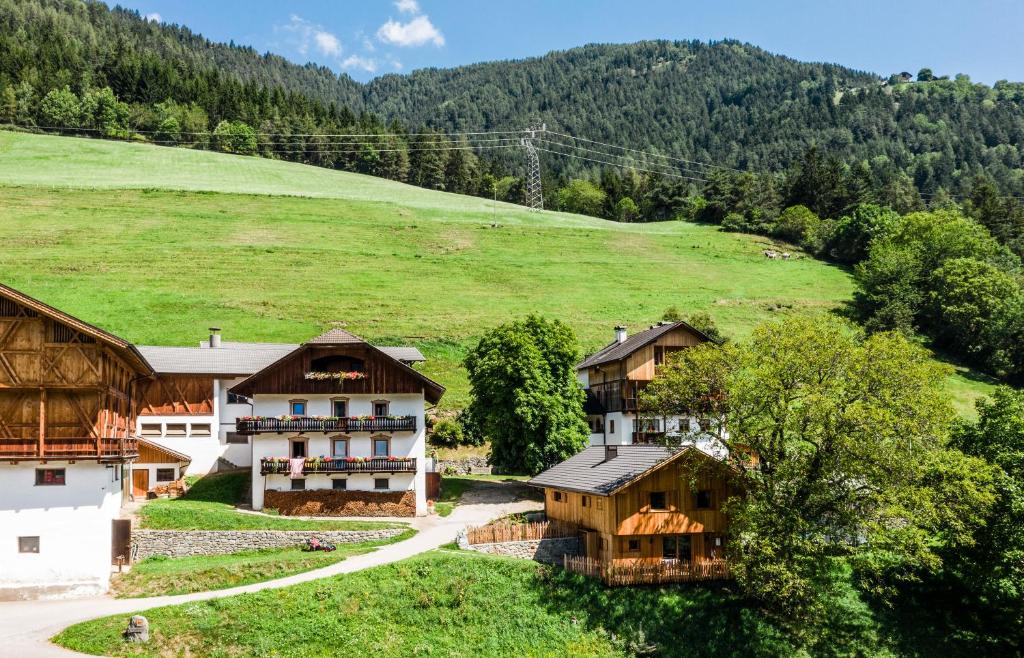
(670, 168)
(210, 132)
(624, 148)
(621, 166)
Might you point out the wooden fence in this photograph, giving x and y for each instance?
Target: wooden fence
(504, 531)
(648, 573)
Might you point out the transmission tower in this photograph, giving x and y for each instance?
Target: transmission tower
(534, 193)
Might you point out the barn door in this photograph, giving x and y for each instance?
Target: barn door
(140, 483)
(121, 541)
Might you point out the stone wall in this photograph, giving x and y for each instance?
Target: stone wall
(539, 550)
(183, 543)
(459, 466)
(331, 502)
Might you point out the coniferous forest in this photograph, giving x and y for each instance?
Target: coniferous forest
(914, 180)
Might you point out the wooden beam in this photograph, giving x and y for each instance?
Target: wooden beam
(42, 421)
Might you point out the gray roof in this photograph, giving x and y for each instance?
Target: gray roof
(588, 472)
(237, 358)
(616, 350)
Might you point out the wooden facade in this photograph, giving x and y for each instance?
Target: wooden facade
(379, 373)
(68, 390)
(685, 523)
(177, 395)
(613, 386)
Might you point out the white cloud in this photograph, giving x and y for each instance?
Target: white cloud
(356, 62)
(155, 17)
(327, 43)
(306, 35)
(416, 32)
(408, 6)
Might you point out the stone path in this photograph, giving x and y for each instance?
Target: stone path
(26, 626)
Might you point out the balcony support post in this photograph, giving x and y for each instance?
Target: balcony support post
(42, 421)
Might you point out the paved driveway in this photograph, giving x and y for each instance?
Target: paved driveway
(26, 626)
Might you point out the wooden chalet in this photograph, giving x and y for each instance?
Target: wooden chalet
(646, 513)
(68, 390)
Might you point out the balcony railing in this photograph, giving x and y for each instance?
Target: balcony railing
(616, 395)
(282, 466)
(103, 449)
(264, 424)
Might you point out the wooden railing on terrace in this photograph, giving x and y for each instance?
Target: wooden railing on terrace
(69, 448)
(505, 531)
(281, 465)
(648, 573)
(314, 424)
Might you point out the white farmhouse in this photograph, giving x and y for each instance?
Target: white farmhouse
(337, 428)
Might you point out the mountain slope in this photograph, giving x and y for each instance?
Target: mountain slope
(157, 244)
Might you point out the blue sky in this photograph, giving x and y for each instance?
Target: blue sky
(365, 38)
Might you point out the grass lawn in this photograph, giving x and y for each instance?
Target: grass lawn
(147, 242)
(449, 603)
(158, 576)
(210, 505)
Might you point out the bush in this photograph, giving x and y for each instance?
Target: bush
(447, 433)
(800, 226)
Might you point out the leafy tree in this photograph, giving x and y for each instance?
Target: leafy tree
(704, 323)
(581, 196)
(925, 75)
(973, 307)
(852, 460)
(61, 108)
(854, 231)
(990, 574)
(169, 132)
(797, 224)
(235, 137)
(626, 210)
(8, 105)
(446, 433)
(526, 398)
(102, 110)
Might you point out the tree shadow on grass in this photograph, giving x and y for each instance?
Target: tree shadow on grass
(677, 620)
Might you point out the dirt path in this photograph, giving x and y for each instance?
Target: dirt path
(26, 626)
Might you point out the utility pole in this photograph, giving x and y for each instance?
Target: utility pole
(534, 193)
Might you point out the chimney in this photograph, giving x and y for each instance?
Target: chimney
(610, 452)
(214, 337)
(620, 334)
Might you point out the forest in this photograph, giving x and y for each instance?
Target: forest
(916, 182)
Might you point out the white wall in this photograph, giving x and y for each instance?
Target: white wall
(73, 523)
(403, 444)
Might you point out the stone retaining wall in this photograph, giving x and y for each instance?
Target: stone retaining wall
(539, 550)
(183, 543)
(459, 466)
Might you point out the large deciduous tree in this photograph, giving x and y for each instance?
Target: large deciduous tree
(850, 434)
(526, 398)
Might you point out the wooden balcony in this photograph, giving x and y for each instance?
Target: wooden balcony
(281, 465)
(273, 424)
(653, 438)
(616, 395)
(104, 449)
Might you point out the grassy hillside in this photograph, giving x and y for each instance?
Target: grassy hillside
(118, 235)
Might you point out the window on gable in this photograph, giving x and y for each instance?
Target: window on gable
(585, 501)
(702, 499)
(28, 544)
(50, 477)
(658, 500)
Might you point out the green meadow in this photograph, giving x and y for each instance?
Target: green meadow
(158, 244)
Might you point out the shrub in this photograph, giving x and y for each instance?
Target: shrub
(447, 433)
